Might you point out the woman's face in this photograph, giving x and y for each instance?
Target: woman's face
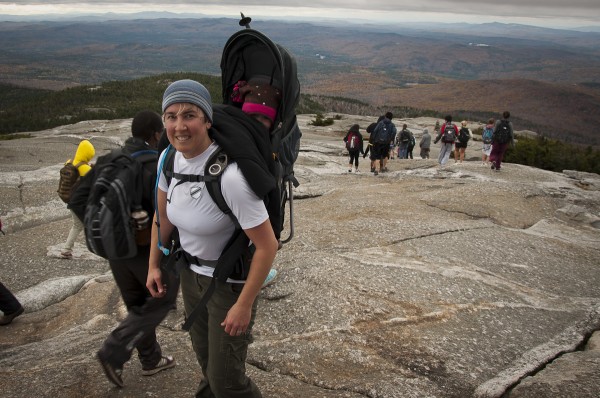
(187, 129)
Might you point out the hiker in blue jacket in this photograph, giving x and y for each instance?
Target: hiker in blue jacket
(383, 134)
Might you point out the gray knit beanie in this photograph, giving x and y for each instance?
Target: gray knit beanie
(189, 91)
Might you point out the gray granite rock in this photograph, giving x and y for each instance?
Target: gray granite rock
(419, 282)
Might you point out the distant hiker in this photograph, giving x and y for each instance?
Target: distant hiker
(425, 144)
(436, 128)
(486, 137)
(9, 305)
(70, 177)
(503, 137)
(144, 313)
(464, 135)
(384, 133)
(354, 145)
(221, 327)
(403, 142)
(392, 149)
(370, 144)
(411, 145)
(447, 134)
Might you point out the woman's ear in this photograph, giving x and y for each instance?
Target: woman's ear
(208, 125)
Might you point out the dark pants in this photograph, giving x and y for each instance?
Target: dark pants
(380, 151)
(354, 158)
(145, 313)
(222, 357)
(8, 302)
(497, 154)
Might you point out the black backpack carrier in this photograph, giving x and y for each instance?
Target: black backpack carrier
(265, 159)
(250, 53)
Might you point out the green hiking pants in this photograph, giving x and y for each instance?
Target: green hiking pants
(222, 357)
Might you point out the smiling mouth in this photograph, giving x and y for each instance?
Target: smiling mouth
(182, 138)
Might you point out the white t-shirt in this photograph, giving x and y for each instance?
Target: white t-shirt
(204, 229)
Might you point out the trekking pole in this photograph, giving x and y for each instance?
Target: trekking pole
(291, 200)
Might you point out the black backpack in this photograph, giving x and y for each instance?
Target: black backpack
(265, 160)
(502, 132)
(449, 133)
(115, 193)
(381, 133)
(404, 136)
(463, 135)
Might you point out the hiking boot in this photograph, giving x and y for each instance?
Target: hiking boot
(164, 363)
(376, 172)
(350, 171)
(372, 170)
(270, 278)
(67, 255)
(357, 171)
(493, 165)
(113, 374)
(8, 318)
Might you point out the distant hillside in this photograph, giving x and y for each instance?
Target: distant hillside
(542, 80)
(559, 111)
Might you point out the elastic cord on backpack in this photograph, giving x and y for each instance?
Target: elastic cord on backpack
(163, 249)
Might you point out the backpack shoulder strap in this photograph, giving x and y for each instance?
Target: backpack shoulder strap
(145, 155)
(215, 166)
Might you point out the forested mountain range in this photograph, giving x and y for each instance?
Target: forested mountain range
(549, 79)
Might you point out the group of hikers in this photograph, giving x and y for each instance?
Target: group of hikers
(385, 142)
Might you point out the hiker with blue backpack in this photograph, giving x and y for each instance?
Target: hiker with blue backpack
(221, 326)
(503, 137)
(383, 134)
(448, 133)
(127, 173)
(486, 137)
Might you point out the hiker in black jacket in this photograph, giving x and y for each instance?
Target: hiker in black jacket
(145, 313)
(354, 144)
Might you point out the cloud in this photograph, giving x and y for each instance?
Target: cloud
(454, 10)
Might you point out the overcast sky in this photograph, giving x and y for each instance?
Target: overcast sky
(559, 13)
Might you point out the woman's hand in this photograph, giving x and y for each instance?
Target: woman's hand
(237, 320)
(154, 282)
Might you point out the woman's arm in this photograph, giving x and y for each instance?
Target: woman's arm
(154, 280)
(238, 318)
